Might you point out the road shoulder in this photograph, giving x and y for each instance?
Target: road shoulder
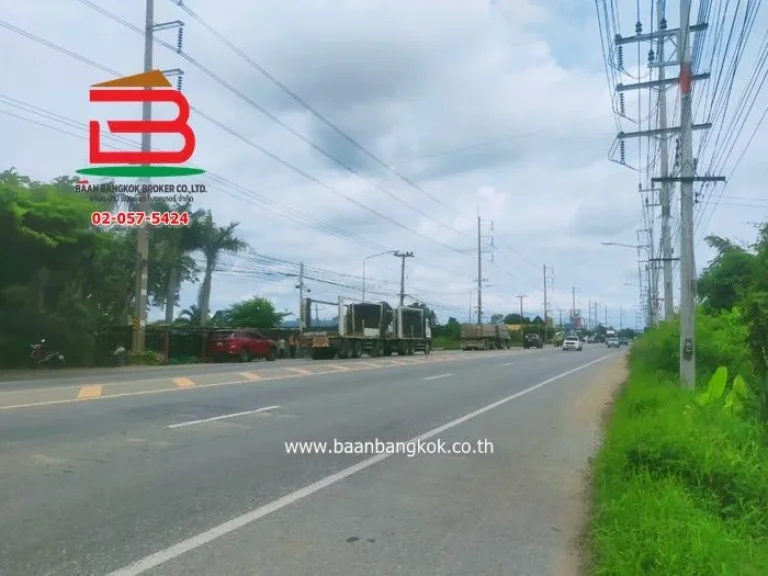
(585, 419)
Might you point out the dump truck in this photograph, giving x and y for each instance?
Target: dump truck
(373, 328)
(484, 337)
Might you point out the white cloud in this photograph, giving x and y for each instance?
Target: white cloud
(499, 106)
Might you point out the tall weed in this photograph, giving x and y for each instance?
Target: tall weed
(720, 341)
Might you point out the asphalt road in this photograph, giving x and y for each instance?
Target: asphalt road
(196, 479)
(50, 377)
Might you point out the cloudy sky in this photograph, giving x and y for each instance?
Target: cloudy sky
(422, 114)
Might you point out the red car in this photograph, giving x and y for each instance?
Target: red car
(243, 345)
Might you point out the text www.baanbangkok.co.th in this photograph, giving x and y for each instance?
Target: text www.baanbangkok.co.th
(410, 448)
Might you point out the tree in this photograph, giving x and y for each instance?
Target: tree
(214, 240)
(188, 317)
(450, 330)
(728, 277)
(63, 279)
(754, 300)
(254, 313)
(173, 264)
(514, 319)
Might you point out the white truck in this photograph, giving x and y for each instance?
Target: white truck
(373, 328)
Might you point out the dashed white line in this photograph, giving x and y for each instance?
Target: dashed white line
(161, 557)
(437, 377)
(222, 417)
(508, 364)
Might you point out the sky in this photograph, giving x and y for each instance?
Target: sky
(352, 129)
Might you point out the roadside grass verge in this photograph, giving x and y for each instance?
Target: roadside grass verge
(678, 489)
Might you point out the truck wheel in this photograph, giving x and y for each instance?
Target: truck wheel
(344, 350)
(427, 350)
(378, 349)
(357, 349)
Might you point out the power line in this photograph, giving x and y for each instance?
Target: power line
(233, 47)
(243, 139)
(227, 186)
(218, 79)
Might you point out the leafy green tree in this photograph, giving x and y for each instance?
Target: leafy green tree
(215, 240)
(188, 317)
(173, 245)
(254, 313)
(728, 277)
(450, 330)
(64, 279)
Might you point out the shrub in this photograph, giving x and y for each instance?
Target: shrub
(679, 486)
(720, 341)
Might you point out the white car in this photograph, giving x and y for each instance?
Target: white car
(572, 343)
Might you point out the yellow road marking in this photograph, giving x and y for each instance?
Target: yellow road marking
(252, 376)
(177, 388)
(183, 382)
(93, 391)
(299, 371)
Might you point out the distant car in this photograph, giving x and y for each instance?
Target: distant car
(241, 345)
(612, 343)
(572, 343)
(532, 341)
(623, 342)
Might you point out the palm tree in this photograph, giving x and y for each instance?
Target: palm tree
(175, 244)
(215, 240)
(188, 317)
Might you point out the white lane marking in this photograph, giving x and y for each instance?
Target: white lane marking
(223, 417)
(508, 364)
(158, 558)
(437, 377)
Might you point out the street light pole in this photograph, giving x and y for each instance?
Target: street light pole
(365, 260)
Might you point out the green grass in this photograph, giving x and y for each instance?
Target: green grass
(677, 489)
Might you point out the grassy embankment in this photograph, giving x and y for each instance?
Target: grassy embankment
(680, 485)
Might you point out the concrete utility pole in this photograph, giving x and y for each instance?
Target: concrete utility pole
(649, 277)
(546, 302)
(301, 298)
(560, 310)
(402, 256)
(522, 297)
(479, 270)
(589, 315)
(666, 192)
(687, 260)
(142, 237)
(606, 317)
(621, 319)
(687, 173)
(573, 310)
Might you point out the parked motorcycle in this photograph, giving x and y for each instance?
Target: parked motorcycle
(41, 357)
